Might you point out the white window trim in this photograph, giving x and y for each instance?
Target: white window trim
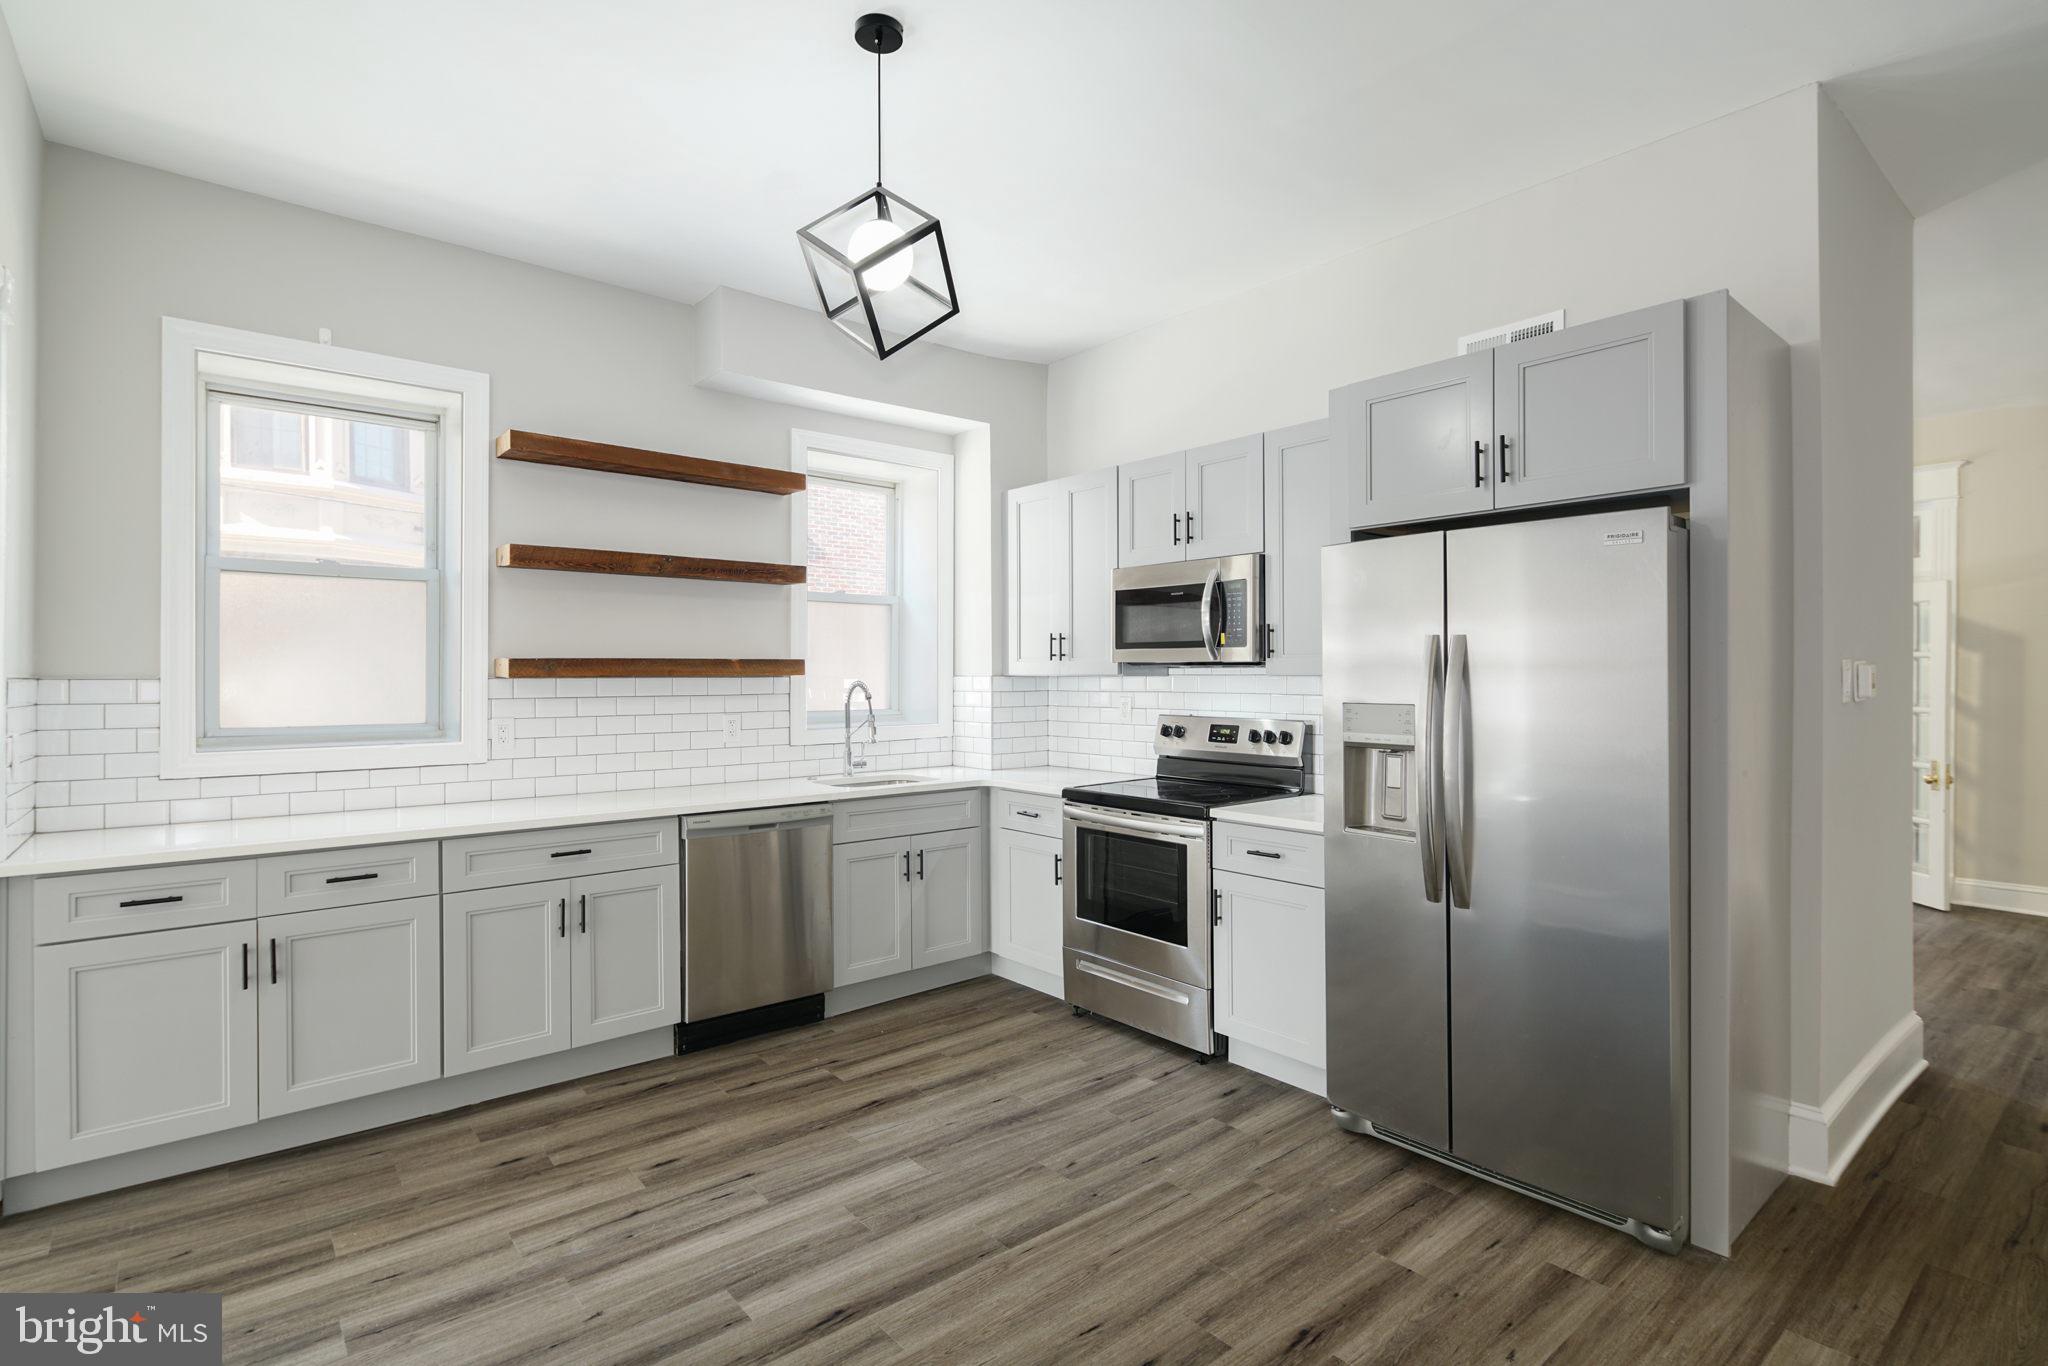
(195, 352)
(940, 463)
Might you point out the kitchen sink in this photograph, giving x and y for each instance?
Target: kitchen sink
(873, 780)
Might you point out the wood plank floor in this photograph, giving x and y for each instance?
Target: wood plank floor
(975, 1175)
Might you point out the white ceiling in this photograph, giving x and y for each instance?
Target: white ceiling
(1098, 166)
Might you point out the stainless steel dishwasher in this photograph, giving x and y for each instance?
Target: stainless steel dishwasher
(757, 922)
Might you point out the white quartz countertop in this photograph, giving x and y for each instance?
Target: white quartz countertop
(1303, 814)
(75, 851)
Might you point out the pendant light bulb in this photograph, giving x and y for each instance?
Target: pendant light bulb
(869, 238)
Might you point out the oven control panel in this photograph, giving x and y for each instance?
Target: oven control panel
(1240, 736)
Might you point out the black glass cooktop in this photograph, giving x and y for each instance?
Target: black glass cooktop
(1191, 797)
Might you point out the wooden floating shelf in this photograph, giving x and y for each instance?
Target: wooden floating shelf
(648, 668)
(578, 560)
(567, 451)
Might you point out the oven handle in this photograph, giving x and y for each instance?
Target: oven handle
(1190, 832)
(1125, 980)
(1209, 633)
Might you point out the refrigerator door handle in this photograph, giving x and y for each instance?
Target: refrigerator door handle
(1428, 771)
(1457, 771)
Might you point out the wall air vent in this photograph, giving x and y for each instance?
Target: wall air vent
(1541, 325)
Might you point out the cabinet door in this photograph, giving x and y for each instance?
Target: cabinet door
(1304, 513)
(1024, 905)
(1594, 410)
(355, 1005)
(143, 1039)
(505, 980)
(1151, 510)
(1039, 572)
(1091, 572)
(871, 897)
(627, 957)
(1226, 499)
(1418, 445)
(1269, 966)
(949, 900)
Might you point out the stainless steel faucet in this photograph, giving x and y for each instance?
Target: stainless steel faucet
(851, 762)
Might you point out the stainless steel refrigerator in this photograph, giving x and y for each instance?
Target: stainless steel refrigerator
(1505, 851)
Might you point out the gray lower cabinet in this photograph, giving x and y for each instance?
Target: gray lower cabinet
(349, 1001)
(505, 973)
(908, 903)
(143, 1039)
(1417, 446)
(626, 953)
(1025, 899)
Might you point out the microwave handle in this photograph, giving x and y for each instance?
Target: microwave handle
(1209, 612)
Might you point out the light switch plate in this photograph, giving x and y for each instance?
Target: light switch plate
(1848, 680)
(1866, 680)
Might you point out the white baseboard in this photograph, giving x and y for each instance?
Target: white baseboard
(861, 995)
(1024, 975)
(1825, 1137)
(1264, 1061)
(2017, 897)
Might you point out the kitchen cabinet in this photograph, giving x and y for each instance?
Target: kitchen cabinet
(1417, 445)
(948, 905)
(1062, 554)
(143, 1039)
(905, 903)
(1026, 899)
(1192, 505)
(1304, 511)
(1269, 966)
(626, 953)
(1593, 410)
(505, 974)
(348, 1002)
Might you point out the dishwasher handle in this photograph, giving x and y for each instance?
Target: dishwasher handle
(763, 818)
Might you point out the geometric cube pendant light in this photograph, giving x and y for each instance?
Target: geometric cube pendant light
(878, 261)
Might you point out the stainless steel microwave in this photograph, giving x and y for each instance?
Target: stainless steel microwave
(1192, 612)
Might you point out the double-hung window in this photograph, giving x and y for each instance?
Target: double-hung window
(855, 569)
(323, 557)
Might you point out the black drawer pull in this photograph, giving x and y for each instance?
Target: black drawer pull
(1027, 815)
(1262, 853)
(151, 901)
(567, 853)
(353, 877)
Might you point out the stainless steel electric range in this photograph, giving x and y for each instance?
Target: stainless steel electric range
(1140, 905)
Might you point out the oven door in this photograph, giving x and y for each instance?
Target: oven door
(1196, 612)
(1137, 891)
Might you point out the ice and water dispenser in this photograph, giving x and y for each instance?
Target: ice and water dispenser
(1382, 785)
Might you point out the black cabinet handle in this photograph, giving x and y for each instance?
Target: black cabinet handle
(1051, 649)
(582, 913)
(920, 865)
(1216, 905)
(567, 853)
(151, 901)
(562, 918)
(1028, 815)
(1271, 631)
(1262, 853)
(353, 877)
(1176, 528)
(906, 865)
(1478, 464)
(1063, 646)
(1506, 467)
(1191, 528)
(245, 965)
(1056, 868)
(273, 962)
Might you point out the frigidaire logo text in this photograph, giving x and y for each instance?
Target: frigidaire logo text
(89, 1333)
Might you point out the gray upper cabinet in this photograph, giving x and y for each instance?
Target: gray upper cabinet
(143, 1039)
(1304, 508)
(1226, 493)
(1595, 410)
(1062, 553)
(1416, 445)
(349, 1001)
(1152, 509)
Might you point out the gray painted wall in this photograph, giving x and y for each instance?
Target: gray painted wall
(21, 161)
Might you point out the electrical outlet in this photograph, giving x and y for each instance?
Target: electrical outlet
(732, 730)
(1124, 705)
(501, 734)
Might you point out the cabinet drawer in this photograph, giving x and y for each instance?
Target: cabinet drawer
(90, 905)
(346, 877)
(918, 813)
(1028, 815)
(1256, 851)
(507, 860)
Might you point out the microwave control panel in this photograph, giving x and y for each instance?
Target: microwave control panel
(1236, 622)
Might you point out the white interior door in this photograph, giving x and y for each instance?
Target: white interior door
(1933, 763)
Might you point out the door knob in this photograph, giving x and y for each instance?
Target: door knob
(1933, 775)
